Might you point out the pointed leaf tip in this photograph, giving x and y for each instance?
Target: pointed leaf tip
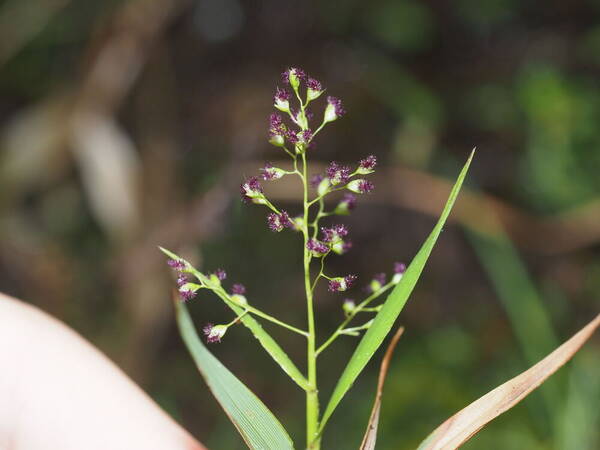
(392, 307)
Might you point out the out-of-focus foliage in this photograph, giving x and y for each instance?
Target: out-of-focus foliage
(129, 124)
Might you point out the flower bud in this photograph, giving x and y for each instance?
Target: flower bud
(349, 306)
(278, 140)
(360, 186)
(252, 191)
(317, 248)
(216, 277)
(323, 187)
(300, 119)
(187, 292)
(297, 223)
(334, 233)
(338, 174)
(313, 89)
(277, 222)
(277, 130)
(304, 137)
(340, 284)
(239, 299)
(270, 173)
(214, 333)
(293, 76)
(281, 100)
(238, 289)
(367, 165)
(347, 204)
(334, 109)
(377, 282)
(176, 264)
(399, 269)
(339, 247)
(237, 294)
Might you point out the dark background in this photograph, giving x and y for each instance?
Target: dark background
(130, 124)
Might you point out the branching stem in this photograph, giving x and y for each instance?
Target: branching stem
(359, 308)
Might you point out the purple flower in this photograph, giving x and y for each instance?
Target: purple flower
(251, 190)
(335, 285)
(360, 186)
(338, 174)
(186, 294)
(305, 136)
(277, 130)
(334, 233)
(340, 284)
(334, 109)
(281, 100)
(341, 247)
(347, 204)
(380, 278)
(220, 274)
(293, 76)
(214, 333)
(298, 73)
(181, 280)
(275, 120)
(281, 95)
(176, 264)
(314, 89)
(365, 186)
(313, 84)
(270, 173)
(277, 222)
(238, 289)
(337, 103)
(367, 165)
(350, 280)
(292, 137)
(399, 267)
(317, 248)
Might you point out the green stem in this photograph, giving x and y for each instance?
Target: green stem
(312, 289)
(319, 129)
(315, 223)
(265, 316)
(348, 319)
(312, 398)
(238, 318)
(320, 197)
(259, 313)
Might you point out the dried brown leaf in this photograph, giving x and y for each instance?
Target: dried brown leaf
(466, 423)
(370, 437)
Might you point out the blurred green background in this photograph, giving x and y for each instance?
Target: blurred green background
(130, 124)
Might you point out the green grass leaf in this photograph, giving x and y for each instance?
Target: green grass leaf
(265, 339)
(255, 422)
(391, 308)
